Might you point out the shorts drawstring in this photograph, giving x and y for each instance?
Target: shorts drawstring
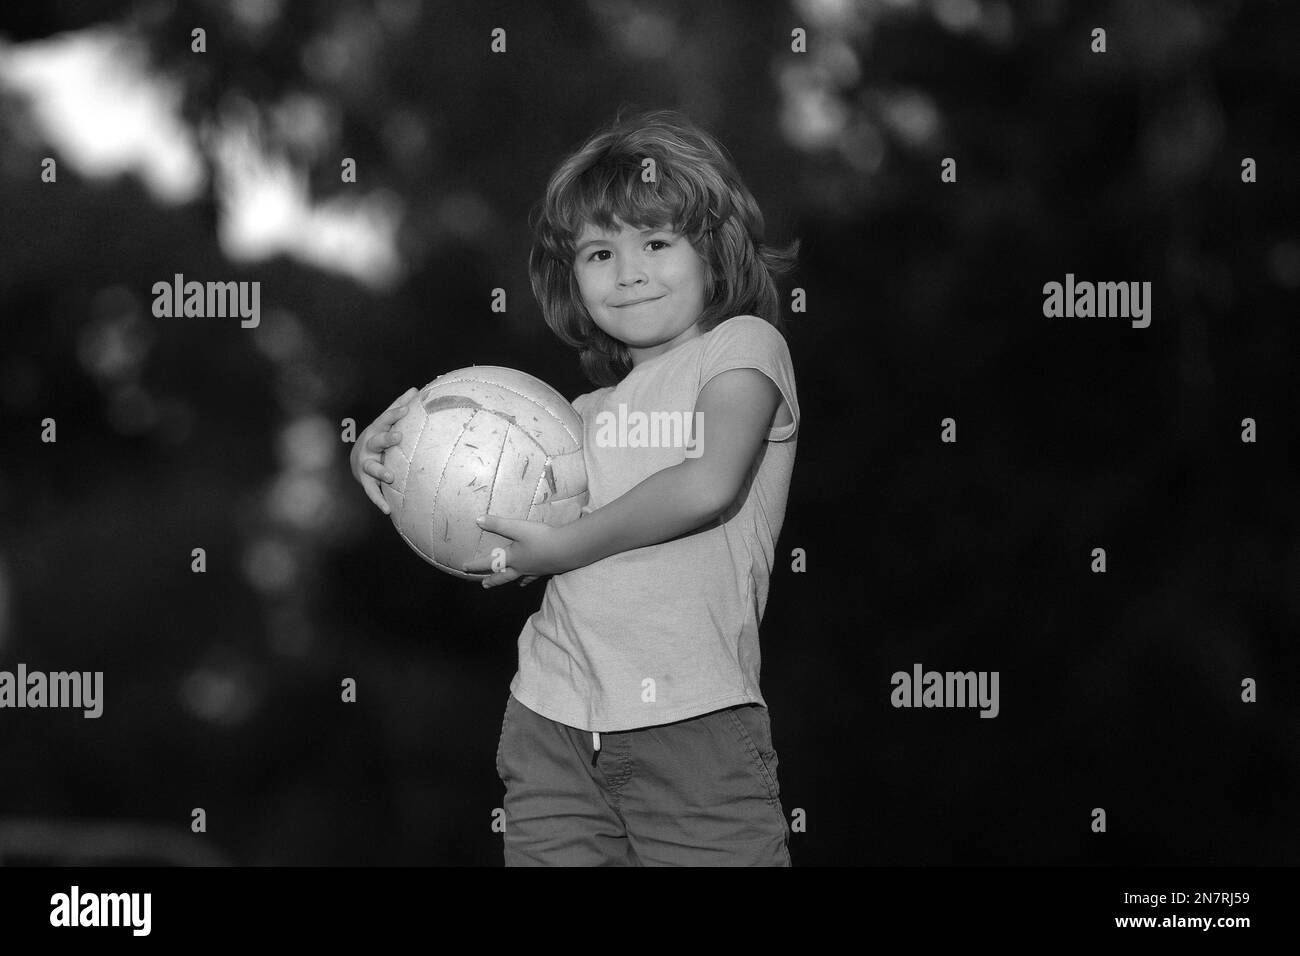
(595, 744)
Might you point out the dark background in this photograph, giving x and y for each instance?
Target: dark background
(1118, 690)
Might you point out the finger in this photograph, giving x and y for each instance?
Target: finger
(506, 527)
(375, 495)
(398, 408)
(527, 580)
(380, 442)
(404, 397)
(375, 469)
(494, 563)
(502, 577)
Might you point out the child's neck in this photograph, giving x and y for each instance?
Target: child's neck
(639, 355)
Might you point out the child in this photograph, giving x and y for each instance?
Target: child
(635, 732)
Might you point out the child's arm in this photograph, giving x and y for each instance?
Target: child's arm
(735, 409)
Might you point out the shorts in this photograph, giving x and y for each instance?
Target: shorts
(697, 792)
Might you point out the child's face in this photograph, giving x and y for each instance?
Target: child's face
(631, 265)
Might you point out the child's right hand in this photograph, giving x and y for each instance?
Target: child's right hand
(367, 452)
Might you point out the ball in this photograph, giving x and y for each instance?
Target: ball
(482, 440)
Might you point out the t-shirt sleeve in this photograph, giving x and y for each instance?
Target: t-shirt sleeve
(746, 341)
(582, 404)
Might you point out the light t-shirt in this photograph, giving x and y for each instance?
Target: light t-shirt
(669, 631)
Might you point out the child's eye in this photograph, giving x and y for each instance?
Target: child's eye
(662, 242)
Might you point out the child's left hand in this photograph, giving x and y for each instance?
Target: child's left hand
(537, 549)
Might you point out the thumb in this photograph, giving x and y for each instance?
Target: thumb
(502, 526)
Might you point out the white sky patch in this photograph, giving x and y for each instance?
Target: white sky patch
(94, 102)
(105, 114)
(265, 210)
